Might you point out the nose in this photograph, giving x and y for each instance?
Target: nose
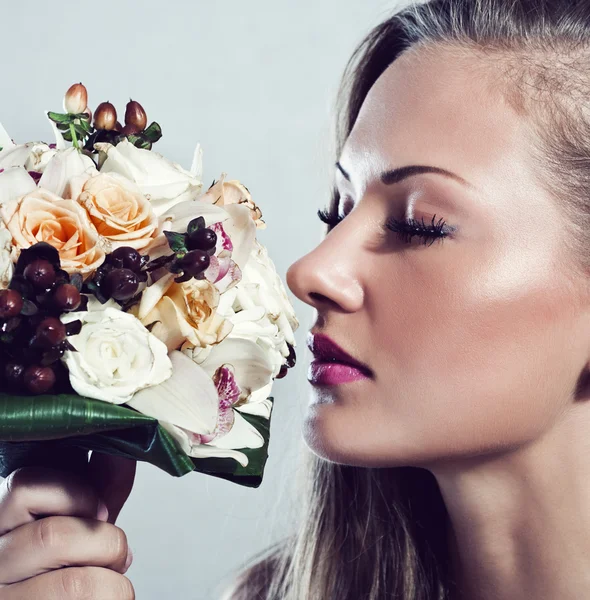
(329, 275)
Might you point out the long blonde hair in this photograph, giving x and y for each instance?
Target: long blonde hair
(376, 533)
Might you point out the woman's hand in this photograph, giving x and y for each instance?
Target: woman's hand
(58, 540)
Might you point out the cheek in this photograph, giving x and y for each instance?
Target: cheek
(471, 360)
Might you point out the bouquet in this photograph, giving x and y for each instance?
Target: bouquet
(139, 314)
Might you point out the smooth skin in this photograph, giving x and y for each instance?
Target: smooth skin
(479, 344)
(58, 538)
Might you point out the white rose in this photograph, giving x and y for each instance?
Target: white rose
(165, 183)
(262, 286)
(116, 356)
(6, 257)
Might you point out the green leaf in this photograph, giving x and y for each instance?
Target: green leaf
(53, 429)
(198, 223)
(139, 141)
(84, 126)
(67, 135)
(176, 241)
(153, 133)
(80, 133)
(61, 118)
(92, 425)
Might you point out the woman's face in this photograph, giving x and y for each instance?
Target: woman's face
(474, 343)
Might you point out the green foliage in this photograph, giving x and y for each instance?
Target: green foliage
(69, 420)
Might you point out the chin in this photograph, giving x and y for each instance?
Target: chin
(333, 436)
(333, 432)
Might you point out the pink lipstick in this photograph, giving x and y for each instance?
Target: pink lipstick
(332, 365)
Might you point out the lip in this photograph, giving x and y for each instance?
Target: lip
(332, 364)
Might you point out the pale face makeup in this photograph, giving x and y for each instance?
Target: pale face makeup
(475, 342)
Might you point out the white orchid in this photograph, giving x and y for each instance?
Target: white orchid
(63, 170)
(198, 411)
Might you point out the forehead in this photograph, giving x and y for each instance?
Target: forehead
(436, 108)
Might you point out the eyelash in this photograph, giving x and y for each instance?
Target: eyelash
(406, 228)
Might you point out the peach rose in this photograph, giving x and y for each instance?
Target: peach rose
(185, 313)
(119, 211)
(41, 216)
(222, 193)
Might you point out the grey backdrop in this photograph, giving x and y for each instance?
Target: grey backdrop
(255, 83)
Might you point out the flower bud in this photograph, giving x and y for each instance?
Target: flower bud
(135, 115)
(76, 99)
(105, 116)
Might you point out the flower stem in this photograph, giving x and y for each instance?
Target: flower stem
(74, 137)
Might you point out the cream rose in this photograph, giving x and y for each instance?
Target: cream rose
(116, 356)
(41, 216)
(185, 314)
(119, 211)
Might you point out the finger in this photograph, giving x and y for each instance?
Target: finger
(112, 477)
(72, 583)
(56, 542)
(32, 492)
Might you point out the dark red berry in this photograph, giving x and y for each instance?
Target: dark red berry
(39, 380)
(105, 116)
(283, 372)
(135, 115)
(67, 297)
(292, 358)
(121, 284)
(202, 239)
(40, 274)
(126, 258)
(13, 373)
(50, 332)
(194, 262)
(11, 303)
(131, 129)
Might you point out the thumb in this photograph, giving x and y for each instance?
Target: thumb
(112, 477)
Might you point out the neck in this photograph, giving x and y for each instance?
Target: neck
(520, 521)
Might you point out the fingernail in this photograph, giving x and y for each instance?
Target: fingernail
(102, 513)
(129, 558)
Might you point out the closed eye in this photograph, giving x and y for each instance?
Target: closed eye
(407, 229)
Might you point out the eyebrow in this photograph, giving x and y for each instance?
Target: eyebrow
(396, 175)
